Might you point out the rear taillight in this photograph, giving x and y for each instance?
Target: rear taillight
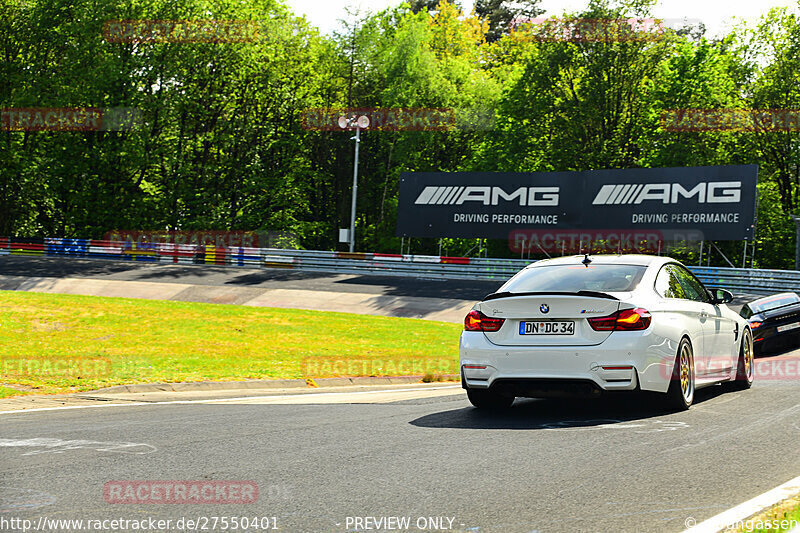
(477, 321)
(634, 319)
(625, 320)
(604, 323)
(755, 324)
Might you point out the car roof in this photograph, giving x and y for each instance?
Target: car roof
(622, 259)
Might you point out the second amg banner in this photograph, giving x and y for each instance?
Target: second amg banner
(714, 203)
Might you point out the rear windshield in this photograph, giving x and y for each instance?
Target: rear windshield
(573, 278)
(774, 302)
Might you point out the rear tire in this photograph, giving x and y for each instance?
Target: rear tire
(745, 369)
(485, 399)
(680, 394)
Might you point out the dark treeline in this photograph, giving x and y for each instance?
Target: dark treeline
(221, 146)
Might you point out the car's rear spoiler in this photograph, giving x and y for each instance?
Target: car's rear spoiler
(780, 310)
(591, 294)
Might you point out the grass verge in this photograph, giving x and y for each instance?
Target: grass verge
(52, 343)
(778, 519)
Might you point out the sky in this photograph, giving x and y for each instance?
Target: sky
(717, 15)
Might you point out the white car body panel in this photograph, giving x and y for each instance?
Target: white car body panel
(714, 331)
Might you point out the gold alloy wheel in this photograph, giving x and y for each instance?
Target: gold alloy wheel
(748, 357)
(687, 387)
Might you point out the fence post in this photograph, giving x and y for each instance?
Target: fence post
(797, 243)
(744, 254)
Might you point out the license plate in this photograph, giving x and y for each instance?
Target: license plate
(787, 327)
(550, 327)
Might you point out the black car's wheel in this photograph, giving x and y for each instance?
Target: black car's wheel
(745, 370)
(484, 399)
(680, 394)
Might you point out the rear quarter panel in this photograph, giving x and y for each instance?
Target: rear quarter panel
(669, 326)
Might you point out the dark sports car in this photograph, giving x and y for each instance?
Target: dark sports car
(775, 321)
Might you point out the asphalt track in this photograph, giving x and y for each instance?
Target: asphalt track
(618, 464)
(240, 277)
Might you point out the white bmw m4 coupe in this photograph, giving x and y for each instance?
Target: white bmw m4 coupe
(578, 326)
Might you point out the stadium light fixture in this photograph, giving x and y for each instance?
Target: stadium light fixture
(361, 122)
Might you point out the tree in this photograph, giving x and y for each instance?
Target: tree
(582, 104)
(772, 53)
(502, 15)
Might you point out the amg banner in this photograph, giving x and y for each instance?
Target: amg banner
(713, 203)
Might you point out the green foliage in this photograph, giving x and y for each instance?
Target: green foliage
(776, 230)
(501, 15)
(221, 144)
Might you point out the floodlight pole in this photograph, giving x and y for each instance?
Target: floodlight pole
(797, 243)
(355, 191)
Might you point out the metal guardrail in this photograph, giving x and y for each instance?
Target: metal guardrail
(749, 280)
(307, 260)
(419, 266)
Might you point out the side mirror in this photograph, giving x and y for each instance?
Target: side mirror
(721, 296)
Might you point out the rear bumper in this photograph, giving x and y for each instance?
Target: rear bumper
(546, 388)
(625, 361)
(771, 338)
